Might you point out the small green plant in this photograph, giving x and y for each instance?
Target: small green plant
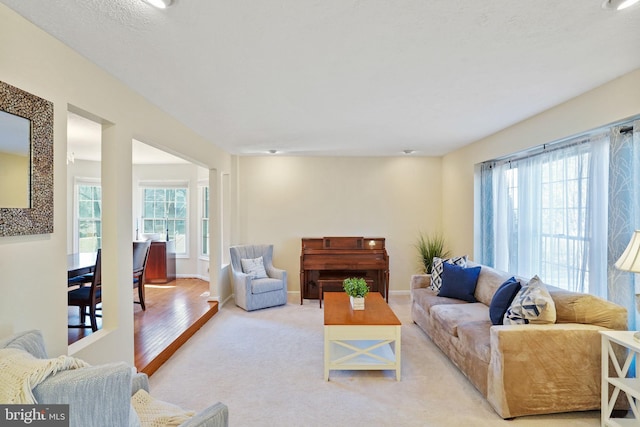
(355, 287)
(430, 246)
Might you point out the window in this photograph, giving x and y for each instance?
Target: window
(542, 214)
(564, 241)
(89, 217)
(164, 212)
(205, 222)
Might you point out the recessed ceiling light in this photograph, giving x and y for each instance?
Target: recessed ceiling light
(160, 4)
(618, 4)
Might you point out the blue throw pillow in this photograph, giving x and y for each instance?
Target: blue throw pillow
(459, 282)
(502, 300)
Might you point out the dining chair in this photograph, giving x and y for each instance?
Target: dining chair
(140, 257)
(88, 297)
(80, 280)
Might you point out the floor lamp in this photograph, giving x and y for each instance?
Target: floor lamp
(630, 261)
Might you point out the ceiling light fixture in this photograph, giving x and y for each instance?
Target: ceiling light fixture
(273, 151)
(160, 4)
(618, 4)
(408, 151)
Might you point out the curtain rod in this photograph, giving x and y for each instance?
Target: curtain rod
(565, 142)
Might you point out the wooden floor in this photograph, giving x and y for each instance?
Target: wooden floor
(174, 313)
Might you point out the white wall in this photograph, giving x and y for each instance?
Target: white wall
(606, 104)
(33, 268)
(283, 199)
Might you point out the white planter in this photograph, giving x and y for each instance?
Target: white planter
(357, 303)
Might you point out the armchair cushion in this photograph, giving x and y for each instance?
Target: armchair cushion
(254, 267)
(259, 286)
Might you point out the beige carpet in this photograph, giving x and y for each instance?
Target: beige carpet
(266, 366)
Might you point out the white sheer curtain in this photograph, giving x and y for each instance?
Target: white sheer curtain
(548, 215)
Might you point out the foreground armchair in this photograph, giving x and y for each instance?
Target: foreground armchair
(99, 396)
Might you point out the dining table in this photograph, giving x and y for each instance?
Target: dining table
(79, 264)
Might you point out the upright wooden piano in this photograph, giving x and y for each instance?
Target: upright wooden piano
(327, 261)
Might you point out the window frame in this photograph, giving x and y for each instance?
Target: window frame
(78, 182)
(167, 185)
(204, 216)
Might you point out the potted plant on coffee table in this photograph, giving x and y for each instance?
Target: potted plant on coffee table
(357, 289)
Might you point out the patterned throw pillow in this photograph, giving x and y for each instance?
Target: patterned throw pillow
(254, 267)
(532, 304)
(436, 269)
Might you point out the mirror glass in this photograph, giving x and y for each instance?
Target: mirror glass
(15, 164)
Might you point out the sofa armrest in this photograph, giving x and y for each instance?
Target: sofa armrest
(216, 415)
(420, 281)
(97, 395)
(544, 368)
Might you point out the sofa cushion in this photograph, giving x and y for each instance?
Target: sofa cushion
(436, 269)
(502, 300)
(254, 267)
(489, 281)
(449, 316)
(459, 282)
(475, 337)
(532, 304)
(426, 298)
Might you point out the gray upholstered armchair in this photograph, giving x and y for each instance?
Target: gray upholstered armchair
(256, 282)
(99, 396)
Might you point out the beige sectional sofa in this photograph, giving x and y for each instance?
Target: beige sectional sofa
(521, 369)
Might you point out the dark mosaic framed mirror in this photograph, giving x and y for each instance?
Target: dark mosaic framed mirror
(36, 217)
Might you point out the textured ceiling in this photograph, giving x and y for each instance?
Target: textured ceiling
(349, 77)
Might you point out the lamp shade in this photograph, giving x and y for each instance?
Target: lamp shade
(630, 258)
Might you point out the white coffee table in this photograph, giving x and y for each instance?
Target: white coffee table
(366, 339)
